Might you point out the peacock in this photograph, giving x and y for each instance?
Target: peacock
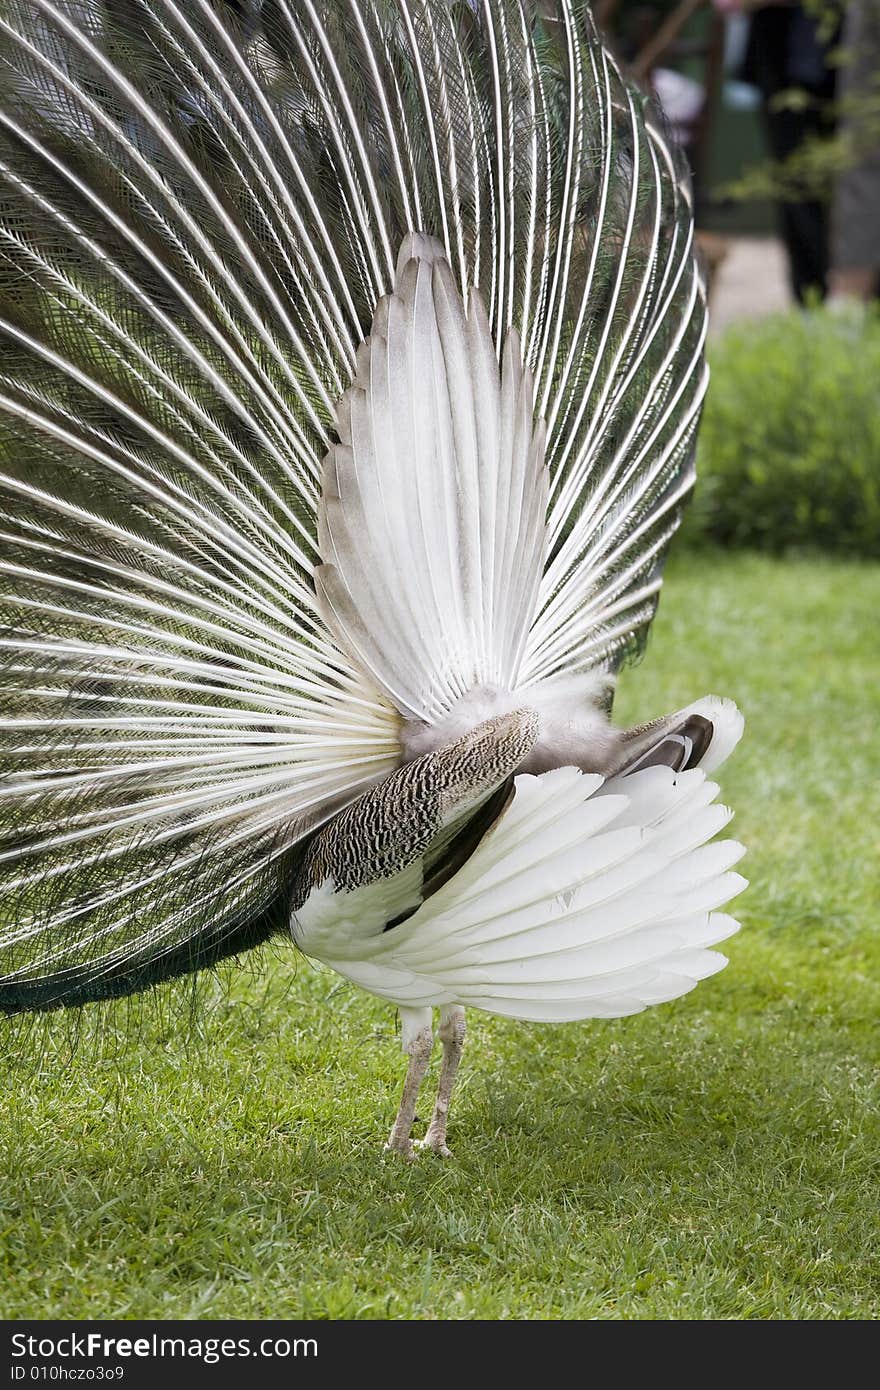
(352, 362)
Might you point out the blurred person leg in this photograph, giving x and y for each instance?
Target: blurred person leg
(783, 52)
(855, 270)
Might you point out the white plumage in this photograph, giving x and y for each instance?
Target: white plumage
(432, 526)
(586, 900)
(352, 359)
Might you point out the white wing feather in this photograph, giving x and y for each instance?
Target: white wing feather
(585, 900)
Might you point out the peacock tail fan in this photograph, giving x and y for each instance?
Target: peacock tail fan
(201, 205)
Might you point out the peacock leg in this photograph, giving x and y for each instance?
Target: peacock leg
(418, 1040)
(452, 1031)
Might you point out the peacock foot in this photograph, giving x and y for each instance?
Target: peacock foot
(403, 1148)
(436, 1143)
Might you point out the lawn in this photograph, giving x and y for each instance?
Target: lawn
(712, 1158)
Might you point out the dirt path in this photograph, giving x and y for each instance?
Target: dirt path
(751, 281)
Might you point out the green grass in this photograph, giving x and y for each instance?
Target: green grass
(713, 1158)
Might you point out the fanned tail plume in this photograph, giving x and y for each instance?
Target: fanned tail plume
(200, 222)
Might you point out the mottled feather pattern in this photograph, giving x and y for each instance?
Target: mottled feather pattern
(390, 827)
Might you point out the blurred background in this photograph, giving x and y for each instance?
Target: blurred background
(778, 109)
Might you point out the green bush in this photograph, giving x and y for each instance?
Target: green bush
(789, 450)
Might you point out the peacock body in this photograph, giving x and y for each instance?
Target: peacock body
(352, 359)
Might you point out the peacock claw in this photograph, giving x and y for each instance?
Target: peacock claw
(403, 1148)
(437, 1146)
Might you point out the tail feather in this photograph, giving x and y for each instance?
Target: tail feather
(129, 975)
(198, 220)
(433, 513)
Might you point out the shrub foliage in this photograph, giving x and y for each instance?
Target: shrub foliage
(789, 452)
